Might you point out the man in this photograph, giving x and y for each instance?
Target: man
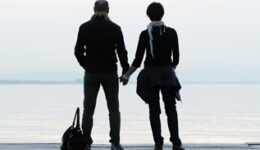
(98, 42)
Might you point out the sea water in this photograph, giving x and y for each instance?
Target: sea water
(210, 113)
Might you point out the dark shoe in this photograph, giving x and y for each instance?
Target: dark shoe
(116, 147)
(88, 147)
(158, 147)
(174, 147)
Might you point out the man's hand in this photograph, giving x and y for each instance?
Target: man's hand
(124, 79)
(174, 67)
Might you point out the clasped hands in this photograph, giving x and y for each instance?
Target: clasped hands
(124, 79)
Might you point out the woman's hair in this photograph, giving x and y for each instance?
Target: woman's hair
(155, 11)
(101, 6)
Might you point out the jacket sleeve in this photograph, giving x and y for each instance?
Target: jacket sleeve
(79, 48)
(140, 51)
(121, 51)
(175, 49)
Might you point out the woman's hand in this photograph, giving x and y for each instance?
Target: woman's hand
(124, 79)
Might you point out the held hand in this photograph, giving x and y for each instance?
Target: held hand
(124, 79)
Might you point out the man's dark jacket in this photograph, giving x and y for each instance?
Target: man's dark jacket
(98, 42)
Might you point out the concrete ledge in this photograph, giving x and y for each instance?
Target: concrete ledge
(56, 146)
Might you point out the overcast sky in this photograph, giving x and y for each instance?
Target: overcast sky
(214, 35)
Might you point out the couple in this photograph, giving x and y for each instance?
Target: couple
(99, 40)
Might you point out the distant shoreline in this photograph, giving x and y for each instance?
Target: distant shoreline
(17, 82)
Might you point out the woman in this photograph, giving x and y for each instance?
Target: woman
(160, 43)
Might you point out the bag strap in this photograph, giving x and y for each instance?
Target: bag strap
(77, 116)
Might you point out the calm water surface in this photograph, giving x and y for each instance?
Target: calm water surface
(210, 113)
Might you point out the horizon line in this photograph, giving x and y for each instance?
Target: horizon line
(79, 81)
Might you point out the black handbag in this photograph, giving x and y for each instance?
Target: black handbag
(73, 138)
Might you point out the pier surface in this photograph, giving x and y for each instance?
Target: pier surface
(56, 146)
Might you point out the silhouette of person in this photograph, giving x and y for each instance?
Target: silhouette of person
(99, 39)
(162, 56)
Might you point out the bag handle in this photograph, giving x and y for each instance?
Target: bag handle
(77, 116)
